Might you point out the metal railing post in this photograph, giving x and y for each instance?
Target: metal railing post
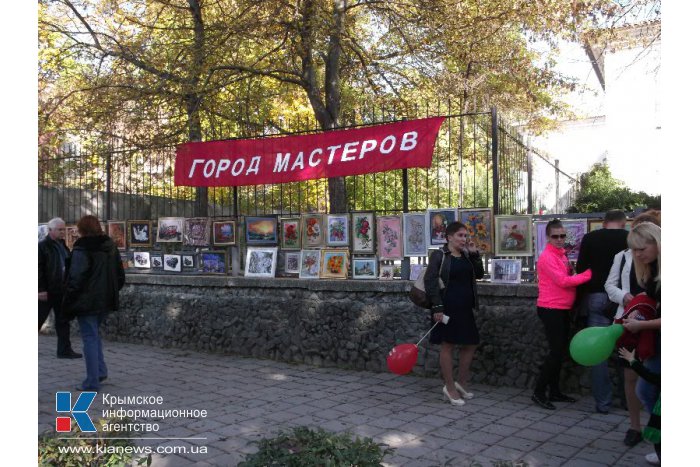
(495, 159)
(108, 188)
(529, 177)
(556, 186)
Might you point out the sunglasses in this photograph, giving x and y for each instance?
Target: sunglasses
(562, 236)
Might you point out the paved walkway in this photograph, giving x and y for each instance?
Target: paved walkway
(248, 399)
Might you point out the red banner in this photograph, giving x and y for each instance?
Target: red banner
(294, 158)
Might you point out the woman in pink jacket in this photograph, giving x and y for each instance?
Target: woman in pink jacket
(557, 291)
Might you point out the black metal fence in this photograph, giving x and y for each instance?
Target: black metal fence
(478, 162)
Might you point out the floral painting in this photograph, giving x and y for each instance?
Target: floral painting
(575, 230)
(363, 232)
(386, 272)
(291, 237)
(438, 220)
(337, 231)
(479, 224)
(415, 239)
(197, 231)
(513, 235)
(389, 235)
(334, 264)
(312, 234)
(224, 232)
(310, 264)
(261, 230)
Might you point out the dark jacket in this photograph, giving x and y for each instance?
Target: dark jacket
(94, 277)
(432, 285)
(51, 266)
(598, 250)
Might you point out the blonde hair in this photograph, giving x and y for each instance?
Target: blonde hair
(639, 237)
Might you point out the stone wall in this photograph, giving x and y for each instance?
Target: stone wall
(349, 324)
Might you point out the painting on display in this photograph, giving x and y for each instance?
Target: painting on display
(197, 230)
(312, 233)
(188, 261)
(261, 230)
(386, 272)
(334, 264)
(224, 232)
(438, 220)
(124, 257)
(172, 263)
(214, 262)
(310, 264)
(337, 230)
(416, 269)
(506, 271)
(389, 243)
(292, 262)
(260, 262)
(156, 261)
(291, 237)
(170, 229)
(43, 231)
(513, 235)
(363, 232)
(364, 268)
(71, 235)
(479, 222)
(415, 237)
(117, 232)
(575, 230)
(142, 259)
(140, 234)
(597, 224)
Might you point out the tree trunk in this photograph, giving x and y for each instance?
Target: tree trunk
(194, 124)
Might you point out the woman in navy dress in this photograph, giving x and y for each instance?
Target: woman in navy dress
(450, 281)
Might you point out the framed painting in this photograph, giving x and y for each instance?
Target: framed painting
(117, 232)
(337, 230)
(142, 259)
(597, 224)
(312, 230)
(260, 262)
(364, 268)
(224, 232)
(506, 271)
(140, 234)
(310, 264)
(575, 230)
(71, 235)
(292, 262)
(214, 262)
(291, 236)
(416, 269)
(261, 230)
(170, 229)
(389, 241)
(197, 231)
(188, 261)
(172, 263)
(386, 272)
(363, 232)
(479, 222)
(124, 257)
(156, 261)
(415, 237)
(513, 235)
(334, 264)
(438, 220)
(43, 231)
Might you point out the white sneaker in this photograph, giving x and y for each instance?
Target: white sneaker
(653, 459)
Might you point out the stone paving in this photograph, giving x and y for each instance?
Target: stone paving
(249, 399)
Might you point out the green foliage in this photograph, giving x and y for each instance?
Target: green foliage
(50, 447)
(600, 192)
(303, 447)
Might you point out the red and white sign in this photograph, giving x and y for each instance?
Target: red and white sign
(286, 159)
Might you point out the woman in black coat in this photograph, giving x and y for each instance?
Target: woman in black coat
(93, 281)
(456, 266)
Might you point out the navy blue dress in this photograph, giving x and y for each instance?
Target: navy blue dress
(458, 299)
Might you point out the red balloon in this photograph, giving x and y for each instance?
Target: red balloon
(402, 358)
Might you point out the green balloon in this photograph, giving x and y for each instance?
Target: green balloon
(592, 346)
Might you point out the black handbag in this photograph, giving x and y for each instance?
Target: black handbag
(418, 294)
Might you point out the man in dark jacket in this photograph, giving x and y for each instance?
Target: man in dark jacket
(53, 254)
(92, 289)
(598, 249)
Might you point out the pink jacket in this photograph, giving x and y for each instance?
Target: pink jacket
(557, 289)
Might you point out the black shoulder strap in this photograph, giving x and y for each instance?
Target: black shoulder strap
(622, 266)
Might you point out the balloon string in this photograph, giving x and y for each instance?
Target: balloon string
(426, 334)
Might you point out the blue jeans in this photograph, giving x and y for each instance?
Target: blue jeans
(600, 377)
(92, 351)
(647, 392)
